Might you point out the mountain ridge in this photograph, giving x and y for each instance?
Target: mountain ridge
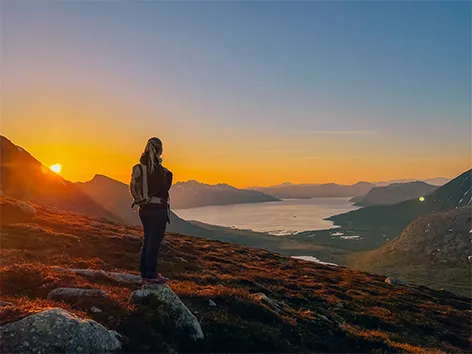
(192, 194)
(394, 193)
(24, 177)
(392, 219)
(326, 190)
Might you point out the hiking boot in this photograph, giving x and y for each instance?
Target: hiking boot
(158, 280)
(162, 278)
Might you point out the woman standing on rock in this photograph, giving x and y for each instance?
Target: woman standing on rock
(149, 187)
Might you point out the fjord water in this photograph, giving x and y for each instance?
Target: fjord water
(283, 218)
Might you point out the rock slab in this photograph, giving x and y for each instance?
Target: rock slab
(92, 274)
(184, 320)
(57, 330)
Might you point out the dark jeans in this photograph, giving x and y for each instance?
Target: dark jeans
(154, 222)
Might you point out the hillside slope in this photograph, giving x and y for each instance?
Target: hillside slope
(328, 190)
(433, 250)
(193, 194)
(115, 196)
(310, 307)
(392, 219)
(394, 193)
(24, 177)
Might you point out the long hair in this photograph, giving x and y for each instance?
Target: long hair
(152, 153)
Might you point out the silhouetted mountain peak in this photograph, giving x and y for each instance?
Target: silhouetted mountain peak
(26, 178)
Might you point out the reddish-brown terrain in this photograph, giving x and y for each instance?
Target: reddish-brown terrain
(317, 308)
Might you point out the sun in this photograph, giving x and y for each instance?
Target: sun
(56, 167)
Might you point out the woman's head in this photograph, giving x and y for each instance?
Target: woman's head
(152, 153)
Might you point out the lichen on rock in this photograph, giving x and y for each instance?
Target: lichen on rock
(183, 320)
(57, 330)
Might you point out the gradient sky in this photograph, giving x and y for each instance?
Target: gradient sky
(247, 93)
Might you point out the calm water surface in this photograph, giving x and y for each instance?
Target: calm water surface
(282, 218)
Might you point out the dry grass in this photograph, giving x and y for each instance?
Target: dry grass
(321, 308)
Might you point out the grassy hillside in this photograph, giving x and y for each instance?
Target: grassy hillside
(318, 308)
(433, 250)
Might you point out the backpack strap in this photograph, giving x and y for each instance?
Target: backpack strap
(144, 193)
(144, 184)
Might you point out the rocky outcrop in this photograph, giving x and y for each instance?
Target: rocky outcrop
(185, 323)
(57, 330)
(93, 274)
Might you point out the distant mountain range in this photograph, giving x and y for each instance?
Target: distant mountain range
(394, 193)
(438, 181)
(327, 190)
(24, 177)
(115, 196)
(432, 250)
(193, 194)
(392, 219)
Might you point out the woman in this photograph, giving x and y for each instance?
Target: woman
(150, 184)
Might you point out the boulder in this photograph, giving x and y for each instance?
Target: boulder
(211, 303)
(393, 281)
(57, 330)
(184, 321)
(76, 294)
(26, 209)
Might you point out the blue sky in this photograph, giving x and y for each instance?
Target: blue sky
(385, 77)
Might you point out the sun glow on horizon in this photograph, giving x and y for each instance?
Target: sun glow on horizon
(56, 168)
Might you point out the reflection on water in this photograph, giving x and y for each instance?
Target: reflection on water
(286, 217)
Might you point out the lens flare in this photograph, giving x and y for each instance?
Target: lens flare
(56, 168)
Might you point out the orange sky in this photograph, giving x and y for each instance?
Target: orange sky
(88, 135)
